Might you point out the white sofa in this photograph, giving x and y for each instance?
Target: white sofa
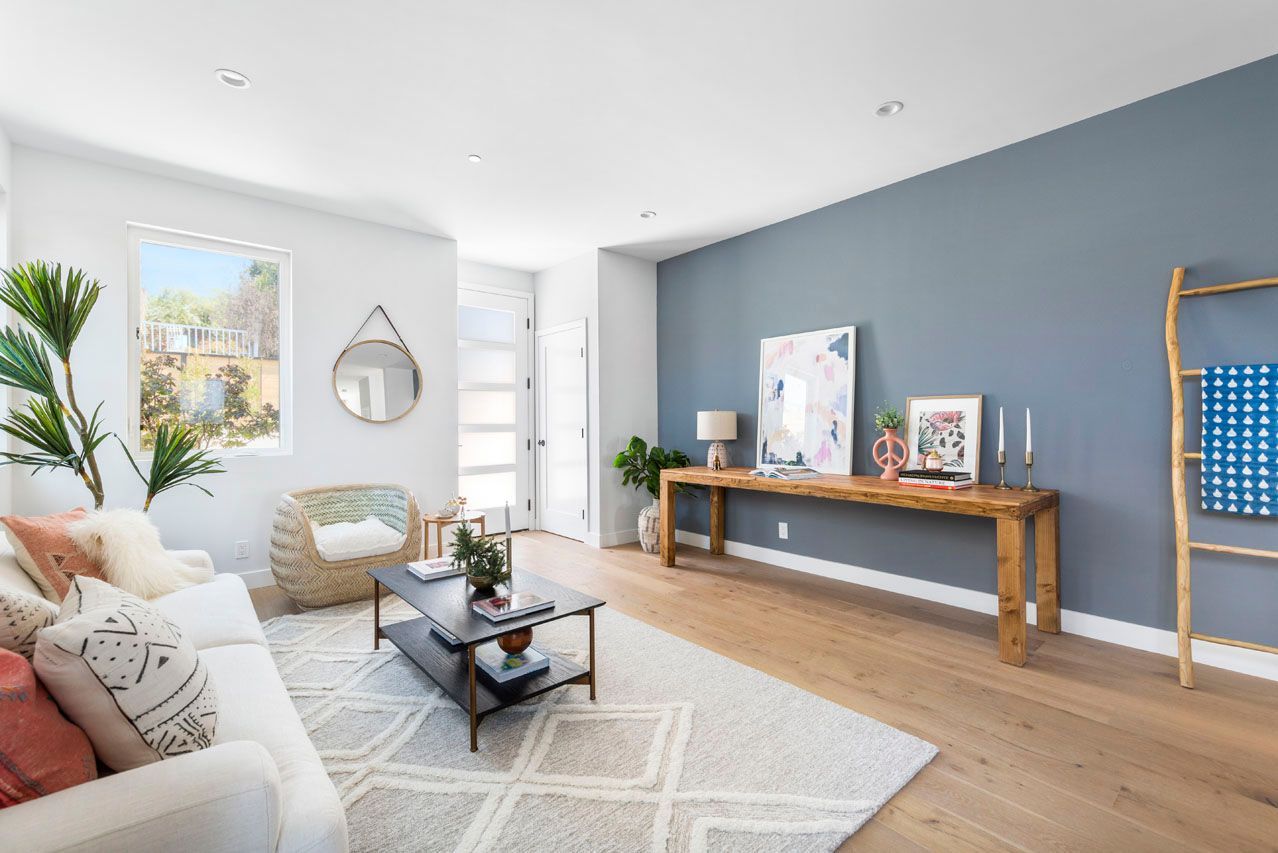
(261, 786)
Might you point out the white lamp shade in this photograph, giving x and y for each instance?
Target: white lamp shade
(716, 426)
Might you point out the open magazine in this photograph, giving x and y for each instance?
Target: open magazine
(781, 472)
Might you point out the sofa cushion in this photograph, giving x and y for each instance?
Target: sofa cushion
(124, 673)
(13, 576)
(346, 541)
(254, 706)
(217, 613)
(45, 550)
(21, 616)
(41, 751)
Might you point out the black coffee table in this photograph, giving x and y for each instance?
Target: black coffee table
(446, 602)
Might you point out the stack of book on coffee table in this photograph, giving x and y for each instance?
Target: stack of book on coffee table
(946, 480)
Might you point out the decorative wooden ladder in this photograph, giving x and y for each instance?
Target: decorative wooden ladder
(1185, 635)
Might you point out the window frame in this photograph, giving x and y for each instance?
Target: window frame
(136, 234)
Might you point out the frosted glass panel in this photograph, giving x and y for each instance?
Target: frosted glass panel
(488, 491)
(485, 324)
(486, 407)
(486, 448)
(493, 366)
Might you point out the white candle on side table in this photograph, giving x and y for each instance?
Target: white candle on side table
(1000, 429)
(1029, 433)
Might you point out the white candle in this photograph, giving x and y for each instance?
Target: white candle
(508, 518)
(1000, 429)
(1029, 433)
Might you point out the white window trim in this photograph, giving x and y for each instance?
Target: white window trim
(138, 233)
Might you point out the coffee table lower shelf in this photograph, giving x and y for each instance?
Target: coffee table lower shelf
(454, 671)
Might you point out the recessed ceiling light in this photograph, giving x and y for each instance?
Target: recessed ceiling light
(234, 79)
(474, 158)
(887, 109)
(647, 214)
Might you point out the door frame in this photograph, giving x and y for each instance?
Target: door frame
(531, 413)
(571, 325)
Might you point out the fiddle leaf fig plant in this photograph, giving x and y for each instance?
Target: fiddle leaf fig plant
(641, 465)
(55, 304)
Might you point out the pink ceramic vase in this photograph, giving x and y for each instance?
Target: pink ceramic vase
(889, 453)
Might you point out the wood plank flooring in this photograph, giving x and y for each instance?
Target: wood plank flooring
(1090, 746)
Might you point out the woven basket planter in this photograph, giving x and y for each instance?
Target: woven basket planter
(312, 581)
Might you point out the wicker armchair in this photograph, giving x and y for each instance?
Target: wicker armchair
(312, 581)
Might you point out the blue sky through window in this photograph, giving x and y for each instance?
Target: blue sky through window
(203, 273)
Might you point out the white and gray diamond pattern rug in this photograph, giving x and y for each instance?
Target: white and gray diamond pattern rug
(684, 750)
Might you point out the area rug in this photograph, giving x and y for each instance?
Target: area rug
(684, 750)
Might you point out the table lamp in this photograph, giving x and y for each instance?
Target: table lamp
(717, 427)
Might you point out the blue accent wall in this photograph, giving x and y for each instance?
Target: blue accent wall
(1036, 275)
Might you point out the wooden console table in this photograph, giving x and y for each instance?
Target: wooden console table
(1009, 509)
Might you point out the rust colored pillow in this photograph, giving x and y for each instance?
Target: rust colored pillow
(46, 552)
(40, 751)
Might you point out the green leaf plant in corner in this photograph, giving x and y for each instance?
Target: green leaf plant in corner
(641, 466)
(54, 305)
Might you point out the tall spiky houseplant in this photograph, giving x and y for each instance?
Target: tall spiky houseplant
(55, 306)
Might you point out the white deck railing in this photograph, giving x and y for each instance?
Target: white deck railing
(197, 340)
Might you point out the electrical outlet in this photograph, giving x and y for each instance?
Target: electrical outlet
(783, 529)
(241, 549)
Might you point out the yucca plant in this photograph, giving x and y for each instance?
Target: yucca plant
(55, 306)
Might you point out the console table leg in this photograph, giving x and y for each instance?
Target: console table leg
(1011, 591)
(1047, 569)
(667, 522)
(717, 495)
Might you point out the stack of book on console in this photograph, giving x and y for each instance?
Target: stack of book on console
(946, 480)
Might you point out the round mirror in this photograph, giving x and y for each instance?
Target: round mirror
(377, 381)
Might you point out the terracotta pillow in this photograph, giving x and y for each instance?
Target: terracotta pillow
(47, 553)
(40, 752)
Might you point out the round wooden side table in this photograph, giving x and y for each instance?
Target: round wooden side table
(442, 521)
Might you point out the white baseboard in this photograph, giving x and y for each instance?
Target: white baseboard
(608, 540)
(1157, 640)
(257, 578)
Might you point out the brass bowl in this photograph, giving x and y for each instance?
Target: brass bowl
(485, 583)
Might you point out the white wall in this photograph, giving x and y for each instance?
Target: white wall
(473, 272)
(74, 211)
(627, 382)
(6, 159)
(617, 295)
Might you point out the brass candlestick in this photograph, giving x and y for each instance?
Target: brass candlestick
(1029, 473)
(1002, 471)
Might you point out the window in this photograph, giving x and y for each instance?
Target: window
(210, 330)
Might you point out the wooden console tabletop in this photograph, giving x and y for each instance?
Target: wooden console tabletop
(1009, 509)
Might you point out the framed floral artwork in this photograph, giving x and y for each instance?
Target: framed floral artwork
(806, 386)
(951, 426)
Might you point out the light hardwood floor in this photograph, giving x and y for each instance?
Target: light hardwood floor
(1090, 746)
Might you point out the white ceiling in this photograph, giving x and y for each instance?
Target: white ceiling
(721, 115)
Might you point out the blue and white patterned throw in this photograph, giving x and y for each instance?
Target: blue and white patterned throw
(1240, 439)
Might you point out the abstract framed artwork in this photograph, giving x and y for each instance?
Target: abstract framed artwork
(951, 426)
(806, 385)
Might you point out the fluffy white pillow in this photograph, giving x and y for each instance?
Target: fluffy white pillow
(127, 546)
(347, 541)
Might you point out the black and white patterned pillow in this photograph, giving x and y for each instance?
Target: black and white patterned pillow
(21, 616)
(123, 672)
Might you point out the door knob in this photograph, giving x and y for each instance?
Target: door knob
(541, 442)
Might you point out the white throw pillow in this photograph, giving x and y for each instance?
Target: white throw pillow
(21, 617)
(123, 672)
(347, 541)
(127, 546)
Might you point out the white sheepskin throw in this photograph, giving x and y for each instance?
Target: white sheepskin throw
(127, 546)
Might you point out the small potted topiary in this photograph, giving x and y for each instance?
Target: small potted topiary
(482, 558)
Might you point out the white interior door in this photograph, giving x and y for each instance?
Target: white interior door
(494, 419)
(562, 457)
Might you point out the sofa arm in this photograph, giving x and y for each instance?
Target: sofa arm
(198, 560)
(224, 798)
